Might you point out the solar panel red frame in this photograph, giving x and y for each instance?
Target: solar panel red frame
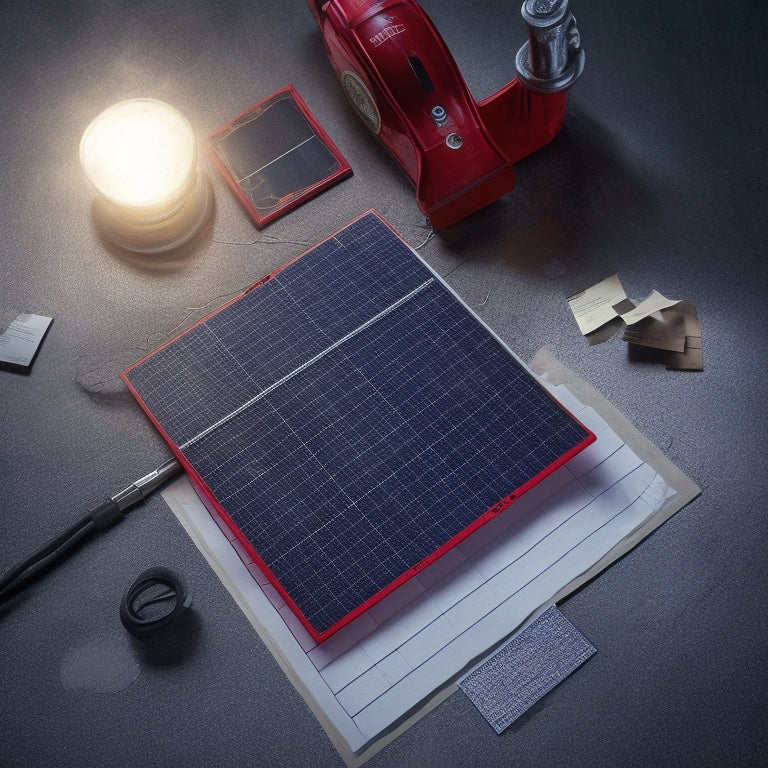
(351, 420)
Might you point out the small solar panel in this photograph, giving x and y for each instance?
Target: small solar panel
(351, 420)
(276, 155)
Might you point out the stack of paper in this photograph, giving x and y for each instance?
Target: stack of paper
(656, 322)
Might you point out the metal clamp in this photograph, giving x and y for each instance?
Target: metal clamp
(552, 59)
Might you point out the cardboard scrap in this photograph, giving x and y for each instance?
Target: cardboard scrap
(668, 325)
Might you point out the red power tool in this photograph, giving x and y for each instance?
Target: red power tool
(406, 86)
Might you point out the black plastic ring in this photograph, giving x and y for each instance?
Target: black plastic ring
(154, 587)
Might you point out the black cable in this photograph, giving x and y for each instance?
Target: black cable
(100, 518)
(36, 561)
(155, 599)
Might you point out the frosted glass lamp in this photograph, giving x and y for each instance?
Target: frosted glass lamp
(141, 157)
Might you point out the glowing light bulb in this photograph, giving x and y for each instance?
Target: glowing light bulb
(141, 158)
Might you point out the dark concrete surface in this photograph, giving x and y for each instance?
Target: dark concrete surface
(659, 174)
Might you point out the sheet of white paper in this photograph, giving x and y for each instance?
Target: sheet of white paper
(594, 307)
(364, 680)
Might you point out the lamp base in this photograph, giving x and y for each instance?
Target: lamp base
(158, 235)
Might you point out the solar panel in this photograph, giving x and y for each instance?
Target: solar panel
(351, 420)
(276, 155)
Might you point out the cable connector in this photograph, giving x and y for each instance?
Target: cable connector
(141, 488)
(114, 508)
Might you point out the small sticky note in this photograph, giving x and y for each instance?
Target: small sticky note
(526, 668)
(21, 340)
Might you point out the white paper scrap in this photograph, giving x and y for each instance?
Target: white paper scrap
(654, 303)
(20, 342)
(594, 307)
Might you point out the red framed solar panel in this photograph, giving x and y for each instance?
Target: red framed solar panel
(351, 420)
(275, 156)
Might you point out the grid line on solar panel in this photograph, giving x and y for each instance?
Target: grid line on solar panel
(328, 350)
(296, 314)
